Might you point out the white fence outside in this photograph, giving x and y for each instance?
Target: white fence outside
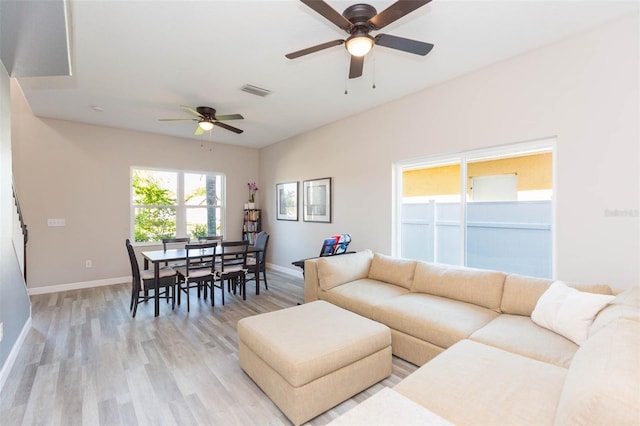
(510, 236)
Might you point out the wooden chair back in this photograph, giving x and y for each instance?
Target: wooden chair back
(217, 238)
(234, 253)
(167, 241)
(198, 262)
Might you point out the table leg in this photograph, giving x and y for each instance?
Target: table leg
(156, 280)
(243, 283)
(146, 290)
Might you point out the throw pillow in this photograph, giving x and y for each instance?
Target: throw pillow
(392, 270)
(567, 311)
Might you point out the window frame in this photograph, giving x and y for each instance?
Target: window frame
(181, 207)
(463, 158)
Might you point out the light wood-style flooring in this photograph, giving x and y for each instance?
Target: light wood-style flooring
(86, 361)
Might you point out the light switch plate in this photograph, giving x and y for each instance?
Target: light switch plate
(55, 222)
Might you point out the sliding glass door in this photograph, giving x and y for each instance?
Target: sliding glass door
(489, 209)
(431, 212)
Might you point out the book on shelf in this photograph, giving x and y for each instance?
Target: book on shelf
(251, 225)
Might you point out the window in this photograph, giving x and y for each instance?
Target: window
(489, 209)
(168, 203)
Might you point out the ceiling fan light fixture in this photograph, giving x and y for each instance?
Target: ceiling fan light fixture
(205, 125)
(359, 45)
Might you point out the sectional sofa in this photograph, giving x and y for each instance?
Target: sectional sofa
(484, 359)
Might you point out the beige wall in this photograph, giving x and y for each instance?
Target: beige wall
(583, 90)
(81, 173)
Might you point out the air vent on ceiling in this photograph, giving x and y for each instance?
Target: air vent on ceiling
(255, 90)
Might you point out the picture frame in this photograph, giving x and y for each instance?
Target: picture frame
(287, 201)
(317, 200)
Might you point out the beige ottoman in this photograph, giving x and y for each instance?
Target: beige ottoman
(311, 357)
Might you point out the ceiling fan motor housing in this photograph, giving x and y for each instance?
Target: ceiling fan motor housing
(359, 15)
(206, 112)
(359, 42)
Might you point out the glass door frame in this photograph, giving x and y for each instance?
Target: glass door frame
(463, 158)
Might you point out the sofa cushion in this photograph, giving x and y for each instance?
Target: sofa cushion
(437, 320)
(602, 386)
(475, 384)
(625, 305)
(567, 311)
(336, 270)
(392, 270)
(507, 331)
(388, 407)
(360, 296)
(521, 293)
(477, 286)
(629, 297)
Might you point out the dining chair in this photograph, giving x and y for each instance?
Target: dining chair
(256, 263)
(194, 274)
(232, 267)
(209, 238)
(169, 243)
(144, 281)
(217, 238)
(172, 242)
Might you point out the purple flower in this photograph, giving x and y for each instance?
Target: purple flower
(253, 188)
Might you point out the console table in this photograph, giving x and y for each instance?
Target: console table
(300, 263)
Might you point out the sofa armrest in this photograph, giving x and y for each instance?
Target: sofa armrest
(325, 273)
(311, 281)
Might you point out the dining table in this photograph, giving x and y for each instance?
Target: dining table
(156, 257)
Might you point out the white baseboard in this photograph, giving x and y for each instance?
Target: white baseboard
(13, 355)
(77, 286)
(293, 272)
(118, 280)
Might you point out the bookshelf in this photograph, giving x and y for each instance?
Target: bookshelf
(251, 225)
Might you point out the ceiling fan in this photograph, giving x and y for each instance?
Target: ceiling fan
(207, 119)
(358, 21)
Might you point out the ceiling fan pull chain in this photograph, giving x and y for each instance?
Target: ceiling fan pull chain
(374, 70)
(346, 73)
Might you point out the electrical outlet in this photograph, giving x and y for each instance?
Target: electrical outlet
(55, 222)
(88, 263)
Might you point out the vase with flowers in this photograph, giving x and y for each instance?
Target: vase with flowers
(253, 188)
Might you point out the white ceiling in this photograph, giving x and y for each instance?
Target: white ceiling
(138, 61)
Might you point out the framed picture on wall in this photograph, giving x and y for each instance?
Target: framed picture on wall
(287, 201)
(317, 200)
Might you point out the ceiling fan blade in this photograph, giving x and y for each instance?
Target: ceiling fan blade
(229, 117)
(177, 119)
(226, 126)
(355, 68)
(199, 131)
(191, 110)
(404, 44)
(396, 11)
(313, 49)
(329, 13)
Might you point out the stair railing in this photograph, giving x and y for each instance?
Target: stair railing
(25, 231)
